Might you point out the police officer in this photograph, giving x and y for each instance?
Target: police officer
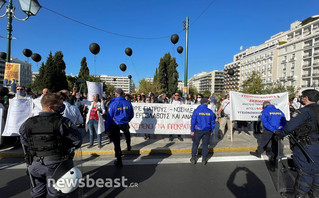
(48, 140)
(272, 119)
(304, 127)
(120, 113)
(202, 126)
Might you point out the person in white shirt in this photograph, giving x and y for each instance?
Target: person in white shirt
(37, 107)
(177, 100)
(71, 111)
(225, 107)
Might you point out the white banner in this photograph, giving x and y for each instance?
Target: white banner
(18, 112)
(248, 107)
(154, 118)
(94, 88)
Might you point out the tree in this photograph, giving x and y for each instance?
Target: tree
(253, 84)
(172, 76)
(60, 66)
(146, 87)
(206, 94)
(84, 70)
(167, 75)
(108, 88)
(192, 90)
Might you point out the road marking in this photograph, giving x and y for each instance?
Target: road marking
(140, 161)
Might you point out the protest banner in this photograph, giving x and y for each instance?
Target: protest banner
(18, 112)
(154, 118)
(11, 75)
(248, 107)
(94, 88)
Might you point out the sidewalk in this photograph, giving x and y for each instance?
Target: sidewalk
(159, 144)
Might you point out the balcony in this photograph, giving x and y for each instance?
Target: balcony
(303, 86)
(315, 64)
(284, 61)
(306, 76)
(282, 78)
(308, 46)
(307, 56)
(306, 66)
(315, 74)
(316, 54)
(292, 59)
(290, 77)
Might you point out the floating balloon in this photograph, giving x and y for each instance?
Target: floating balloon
(27, 52)
(36, 57)
(123, 67)
(129, 76)
(114, 79)
(94, 48)
(231, 72)
(128, 51)
(180, 49)
(174, 38)
(3, 55)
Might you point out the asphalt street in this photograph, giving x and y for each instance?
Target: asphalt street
(160, 176)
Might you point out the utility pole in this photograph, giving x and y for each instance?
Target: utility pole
(185, 90)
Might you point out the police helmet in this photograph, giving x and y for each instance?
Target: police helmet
(69, 182)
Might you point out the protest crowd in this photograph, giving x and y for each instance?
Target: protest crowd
(107, 114)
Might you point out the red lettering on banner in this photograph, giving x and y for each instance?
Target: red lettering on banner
(178, 126)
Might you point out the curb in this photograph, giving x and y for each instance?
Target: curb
(136, 152)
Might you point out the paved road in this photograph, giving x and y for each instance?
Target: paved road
(162, 176)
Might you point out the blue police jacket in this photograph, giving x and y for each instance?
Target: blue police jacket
(272, 118)
(120, 112)
(203, 119)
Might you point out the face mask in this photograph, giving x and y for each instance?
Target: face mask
(199, 99)
(60, 109)
(302, 101)
(20, 93)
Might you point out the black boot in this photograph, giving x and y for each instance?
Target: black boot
(118, 162)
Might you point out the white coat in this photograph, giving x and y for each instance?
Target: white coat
(101, 125)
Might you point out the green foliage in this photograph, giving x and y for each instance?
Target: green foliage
(146, 87)
(166, 77)
(206, 94)
(51, 74)
(253, 84)
(193, 90)
(71, 82)
(108, 88)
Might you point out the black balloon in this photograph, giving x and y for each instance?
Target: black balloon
(174, 38)
(94, 48)
(180, 49)
(231, 72)
(114, 79)
(3, 55)
(36, 57)
(27, 52)
(123, 67)
(129, 76)
(128, 51)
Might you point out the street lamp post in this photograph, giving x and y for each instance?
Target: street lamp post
(29, 7)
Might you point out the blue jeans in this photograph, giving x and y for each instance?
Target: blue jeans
(93, 127)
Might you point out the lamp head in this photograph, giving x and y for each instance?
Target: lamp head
(2, 2)
(30, 7)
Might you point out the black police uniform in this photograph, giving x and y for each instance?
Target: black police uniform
(305, 129)
(49, 139)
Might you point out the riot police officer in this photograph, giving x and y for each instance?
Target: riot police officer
(48, 140)
(120, 113)
(202, 126)
(304, 127)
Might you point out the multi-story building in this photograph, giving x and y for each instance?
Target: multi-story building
(208, 81)
(290, 58)
(299, 54)
(25, 73)
(34, 75)
(122, 82)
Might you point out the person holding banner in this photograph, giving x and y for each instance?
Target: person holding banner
(202, 126)
(120, 113)
(273, 119)
(224, 112)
